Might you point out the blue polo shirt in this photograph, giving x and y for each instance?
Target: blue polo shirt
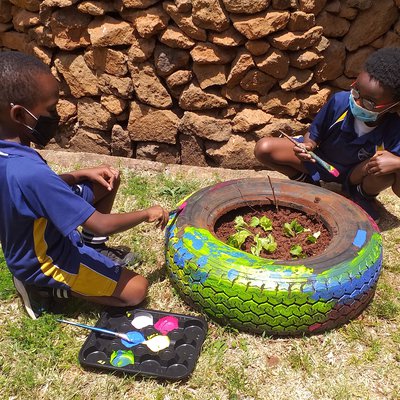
(39, 215)
(338, 143)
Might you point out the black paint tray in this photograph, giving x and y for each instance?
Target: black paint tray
(176, 361)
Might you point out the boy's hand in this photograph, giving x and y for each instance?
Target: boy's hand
(383, 162)
(157, 213)
(103, 174)
(301, 151)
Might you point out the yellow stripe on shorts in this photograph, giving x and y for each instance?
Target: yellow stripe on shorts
(87, 282)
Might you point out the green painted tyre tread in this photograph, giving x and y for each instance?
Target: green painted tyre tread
(274, 296)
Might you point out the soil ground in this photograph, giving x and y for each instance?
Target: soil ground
(225, 227)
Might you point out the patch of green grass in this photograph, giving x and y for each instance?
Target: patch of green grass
(175, 189)
(386, 303)
(237, 382)
(300, 359)
(41, 344)
(7, 290)
(138, 187)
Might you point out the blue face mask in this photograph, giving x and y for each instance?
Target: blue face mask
(361, 113)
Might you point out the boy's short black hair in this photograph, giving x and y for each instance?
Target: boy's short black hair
(384, 66)
(17, 78)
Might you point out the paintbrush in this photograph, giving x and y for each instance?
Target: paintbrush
(331, 169)
(95, 329)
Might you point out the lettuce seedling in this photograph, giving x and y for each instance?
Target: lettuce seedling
(237, 239)
(254, 222)
(266, 223)
(292, 229)
(313, 238)
(296, 250)
(240, 223)
(267, 243)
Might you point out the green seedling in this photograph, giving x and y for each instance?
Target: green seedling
(264, 222)
(268, 244)
(254, 222)
(237, 239)
(296, 250)
(293, 228)
(240, 223)
(314, 237)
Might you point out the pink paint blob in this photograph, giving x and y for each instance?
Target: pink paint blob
(166, 324)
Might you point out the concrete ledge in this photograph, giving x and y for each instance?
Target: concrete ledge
(76, 160)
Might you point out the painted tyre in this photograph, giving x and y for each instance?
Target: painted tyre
(273, 296)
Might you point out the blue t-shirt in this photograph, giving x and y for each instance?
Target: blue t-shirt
(339, 144)
(39, 215)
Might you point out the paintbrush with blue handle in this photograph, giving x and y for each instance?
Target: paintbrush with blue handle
(330, 168)
(95, 329)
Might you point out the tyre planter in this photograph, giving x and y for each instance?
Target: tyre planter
(277, 297)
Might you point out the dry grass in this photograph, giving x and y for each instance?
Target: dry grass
(38, 359)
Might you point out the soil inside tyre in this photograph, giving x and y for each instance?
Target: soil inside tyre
(225, 227)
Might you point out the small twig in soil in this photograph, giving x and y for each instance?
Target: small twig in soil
(273, 194)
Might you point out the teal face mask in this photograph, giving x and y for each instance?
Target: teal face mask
(361, 113)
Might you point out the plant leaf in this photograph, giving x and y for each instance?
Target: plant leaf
(311, 239)
(287, 230)
(293, 228)
(240, 223)
(236, 240)
(268, 244)
(255, 221)
(297, 228)
(256, 250)
(296, 250)
(266, 223)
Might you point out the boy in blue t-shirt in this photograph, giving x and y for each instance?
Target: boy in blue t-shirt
(358, 132)
(41, 211)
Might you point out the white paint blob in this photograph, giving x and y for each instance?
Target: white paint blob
(141, 320)
(157, 343)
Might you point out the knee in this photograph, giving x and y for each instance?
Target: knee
(131, 289)
(137, 291)
(263, 149)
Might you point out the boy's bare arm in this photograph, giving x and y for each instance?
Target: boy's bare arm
(107, 224)
(103, 174)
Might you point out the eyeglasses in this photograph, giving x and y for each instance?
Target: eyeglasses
(367, 104)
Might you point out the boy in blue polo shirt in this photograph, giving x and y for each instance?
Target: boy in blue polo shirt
(358, 132)
(41, 211)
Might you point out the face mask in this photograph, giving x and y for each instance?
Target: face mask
(45, 128)
(361, 113)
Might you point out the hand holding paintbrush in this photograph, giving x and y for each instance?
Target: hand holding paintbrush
(331, 169)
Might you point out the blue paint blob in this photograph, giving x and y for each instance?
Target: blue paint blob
(135, 338)
(360, 238)
(232, 274)
(186, 255)
(199, 277)
(179, 261)
(122, 358)
(202, 261)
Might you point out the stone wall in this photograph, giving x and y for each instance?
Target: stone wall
(194, 81)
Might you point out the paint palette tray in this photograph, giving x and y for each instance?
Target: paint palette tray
(162, 345)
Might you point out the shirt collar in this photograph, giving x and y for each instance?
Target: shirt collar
(14, 149)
